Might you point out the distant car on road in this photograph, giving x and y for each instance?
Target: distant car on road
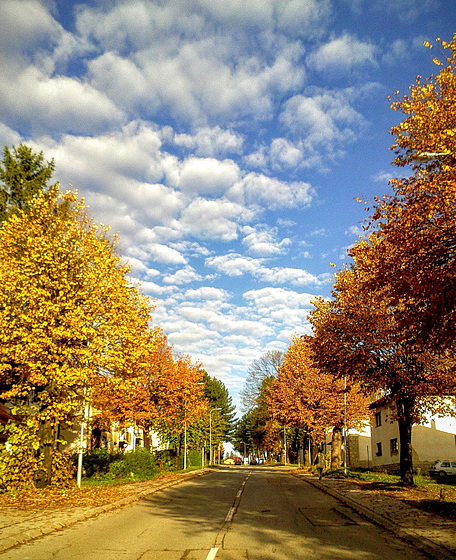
(442, 469)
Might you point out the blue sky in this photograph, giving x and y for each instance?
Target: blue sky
(225, 142)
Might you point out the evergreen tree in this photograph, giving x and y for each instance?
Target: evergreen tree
(24, 174)
(217, 396)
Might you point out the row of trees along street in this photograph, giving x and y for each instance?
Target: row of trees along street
(73, 326)
(389, 328)
(74, 329)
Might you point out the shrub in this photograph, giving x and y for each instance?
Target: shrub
(97, 461)
(136, 464)
(166, 459)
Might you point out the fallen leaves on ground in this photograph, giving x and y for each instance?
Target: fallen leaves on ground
(439, 499)
(86, 496)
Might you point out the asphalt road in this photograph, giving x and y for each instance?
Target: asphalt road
(234, 513)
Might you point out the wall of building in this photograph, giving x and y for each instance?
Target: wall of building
(432, 440)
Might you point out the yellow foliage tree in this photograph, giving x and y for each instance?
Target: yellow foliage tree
(67, 316)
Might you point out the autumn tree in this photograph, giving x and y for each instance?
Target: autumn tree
(417, 225)
(67, 316)
(176, 387)
(24, 174)
(357, 334)
(305, 397)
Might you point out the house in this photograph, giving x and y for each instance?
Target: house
(434, 438)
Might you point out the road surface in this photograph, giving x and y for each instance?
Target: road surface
(240, 513)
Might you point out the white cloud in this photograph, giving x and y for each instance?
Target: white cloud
(283, 152)
(273, 193)
(165, 254)
(214, 219)
(138, 267)
(207, 293)
(234, 264)
(382, 177)
(184, 275)
(323, 118)
(33, 99)
(263, 242)
(207, 176)
(342, 54)
(267, 298)
(8, 136)
(355, 230)
(184, 60)
(211, 142)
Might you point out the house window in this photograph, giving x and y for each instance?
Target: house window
(379, 450)
(393, 446)
(378, 419)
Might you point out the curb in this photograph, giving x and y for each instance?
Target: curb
(430, 548)
(33, 534)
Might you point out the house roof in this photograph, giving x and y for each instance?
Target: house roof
(380, 402)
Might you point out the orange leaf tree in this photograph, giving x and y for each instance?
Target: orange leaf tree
(418, 224)
(306, 397)
(357, 334)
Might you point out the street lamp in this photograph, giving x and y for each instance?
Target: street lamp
(345, 424)
(210, 433)
(81, 439)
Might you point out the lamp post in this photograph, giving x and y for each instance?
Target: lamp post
(81, 439)
(210, 433)
(185, 441)
(345, 424)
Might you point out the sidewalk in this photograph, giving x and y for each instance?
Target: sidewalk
(19, 526)
(431, 534)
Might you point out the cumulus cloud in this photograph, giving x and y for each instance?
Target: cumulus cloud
(342, 54)
(274, 193)
(181, 57)
(234, 264)
(207, 176)
(184, 275)
(210, 142)
(216, 219)
(207, 293)
(165, 254)
(356, 230)
(323, 117)
(263, 242)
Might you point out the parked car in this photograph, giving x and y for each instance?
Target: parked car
(442, 469)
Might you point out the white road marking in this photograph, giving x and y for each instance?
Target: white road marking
(229, 517)
(212, 553)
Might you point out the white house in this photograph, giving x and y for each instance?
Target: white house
(433, 439)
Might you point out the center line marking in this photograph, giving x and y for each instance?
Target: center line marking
(212, 553)
(229, 517)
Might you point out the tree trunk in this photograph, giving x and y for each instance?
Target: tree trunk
(336, 447)
(405, 420)
(46, 436)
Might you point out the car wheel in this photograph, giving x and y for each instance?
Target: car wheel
(442, 474)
